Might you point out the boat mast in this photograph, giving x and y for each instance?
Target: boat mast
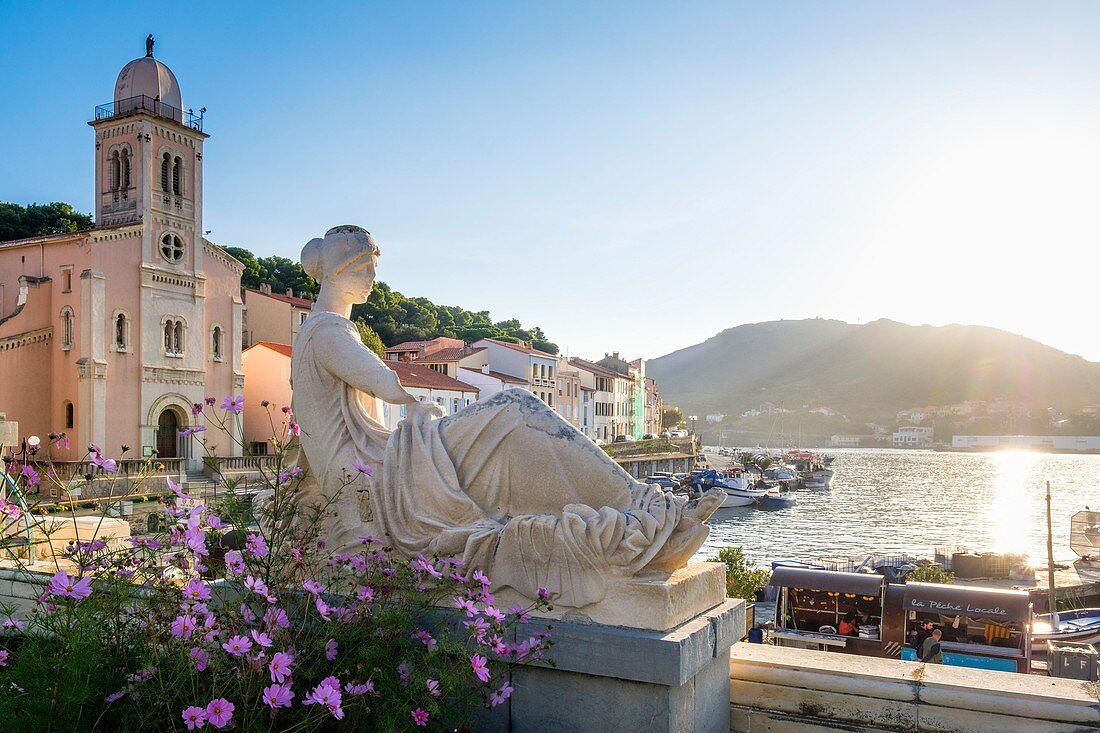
(1052, 602)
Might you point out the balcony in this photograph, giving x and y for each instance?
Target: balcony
(149, 105)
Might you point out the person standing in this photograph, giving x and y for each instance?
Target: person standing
(930, 650)
(922, 632)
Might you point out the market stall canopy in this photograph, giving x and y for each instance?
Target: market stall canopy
(967, 600)
(864, 584)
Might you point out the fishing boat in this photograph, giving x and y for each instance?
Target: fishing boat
(776, 499)
(736, 484)
(1081, 625)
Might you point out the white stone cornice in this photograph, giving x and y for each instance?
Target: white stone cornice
(172, 375)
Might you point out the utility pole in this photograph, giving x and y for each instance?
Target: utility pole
(1051, 600)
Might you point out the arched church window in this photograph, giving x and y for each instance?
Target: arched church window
(122, 332)
(67, 328)
(168, 333)
(177, 176)
(177, 340)
(70, 421)
(124, 171)
(216, 346)
(113, 172)
(171, 247)
(165, 165)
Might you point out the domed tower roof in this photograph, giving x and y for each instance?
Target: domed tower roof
(149, 77)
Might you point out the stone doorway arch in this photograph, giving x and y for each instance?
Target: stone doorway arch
(169, 423)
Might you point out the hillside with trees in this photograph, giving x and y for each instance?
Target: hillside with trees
(871, 371)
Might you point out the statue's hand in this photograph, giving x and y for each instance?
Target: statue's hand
(433, 409)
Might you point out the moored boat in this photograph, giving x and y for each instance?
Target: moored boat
(1080, 625)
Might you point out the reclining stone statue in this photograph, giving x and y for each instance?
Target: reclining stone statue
(505, 484)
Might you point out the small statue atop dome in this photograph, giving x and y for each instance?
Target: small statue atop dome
(149, 41)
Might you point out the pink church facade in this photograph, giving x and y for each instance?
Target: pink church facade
(112, 334)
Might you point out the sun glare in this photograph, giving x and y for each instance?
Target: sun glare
(1010, 510)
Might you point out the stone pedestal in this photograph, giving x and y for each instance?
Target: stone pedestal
(622, 680)
(658, 602)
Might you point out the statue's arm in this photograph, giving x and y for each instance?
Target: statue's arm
(348, 360)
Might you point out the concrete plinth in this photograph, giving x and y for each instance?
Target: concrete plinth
(621, 680)
(657, 602)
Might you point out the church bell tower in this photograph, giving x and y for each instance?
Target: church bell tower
(148, 164)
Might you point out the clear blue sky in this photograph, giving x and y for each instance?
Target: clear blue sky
(630, 176)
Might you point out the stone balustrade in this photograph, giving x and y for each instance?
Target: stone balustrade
(785, 690)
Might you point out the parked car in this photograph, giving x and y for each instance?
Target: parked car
(624, 438)
(665, 482)
(678, 433)
(648, 436)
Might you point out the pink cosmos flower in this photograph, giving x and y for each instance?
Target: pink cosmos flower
(276, 618)
(196, 409)
(199, 657)
(280, 666)
(219, 712)
(32, 476)
(322, 608)
(107, 464)
(433, 688)
(237, 645)
(210, 401)
(293, 428)
(330, 649)
(196, 590)
(481, 578)
(192, 430)
(256, 544)
(195, 540)
(234, 561)
(327, 695)
(360, 689)
(519, 612)
(361, 467)
(11, 622)
(215, 522)
(63, 586)
(494, 614)
(261, 638)
(233, 404)
(312, 586)
(10, 509)
(257, 586)
(4, 654)
(499, 696)
(480, 666)
(195, 717)
(365, 594)
(114, 696)
(184, 626)
(544, 594)
(420, 717)
(278, 696)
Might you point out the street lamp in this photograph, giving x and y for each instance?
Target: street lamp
(692, 419)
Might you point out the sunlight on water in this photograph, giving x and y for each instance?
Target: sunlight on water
(1014, 486)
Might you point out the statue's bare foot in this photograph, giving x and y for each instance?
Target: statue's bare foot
(705, 505)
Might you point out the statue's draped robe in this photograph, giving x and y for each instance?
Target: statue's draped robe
(505, 484)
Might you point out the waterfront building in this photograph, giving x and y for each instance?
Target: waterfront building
(449, 360)
(412, 350)
(489, 382)
(568, 402)
(536, 367)
(912, 436)
(1083, 443)
(605, 388)
(273, 317)
(115, 332)
(654, 406)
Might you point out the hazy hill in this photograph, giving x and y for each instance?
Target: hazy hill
(870, 370)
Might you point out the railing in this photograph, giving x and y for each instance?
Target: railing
(67, 471)
(224, 464)
(152, 105)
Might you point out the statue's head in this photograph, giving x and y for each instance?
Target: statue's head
(344, 260)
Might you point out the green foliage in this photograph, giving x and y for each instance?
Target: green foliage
(19, 222)
(370, 338)
(743, 579)
(391, 315)
(931, 574)
(278, 272)
(671, 417)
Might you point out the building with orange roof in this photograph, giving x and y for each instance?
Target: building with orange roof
(273, 317)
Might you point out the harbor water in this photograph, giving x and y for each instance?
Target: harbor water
(889, 502)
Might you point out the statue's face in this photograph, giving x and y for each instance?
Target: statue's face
(357, 280)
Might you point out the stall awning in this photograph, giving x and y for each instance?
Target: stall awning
(864, 584)
(967, 600)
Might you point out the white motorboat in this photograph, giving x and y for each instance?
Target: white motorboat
(1081, 625)
(739, 489)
